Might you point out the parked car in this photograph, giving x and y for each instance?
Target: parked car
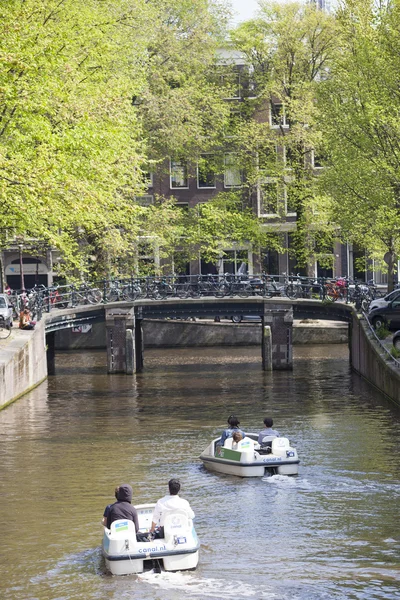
(6, 311)
(240, 318)
(396, 340)
(387, 315)
(382, 302)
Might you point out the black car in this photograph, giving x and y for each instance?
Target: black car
(386, 315)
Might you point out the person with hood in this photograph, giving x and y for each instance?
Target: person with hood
(122, 508)
(107, 508)
(169, 503)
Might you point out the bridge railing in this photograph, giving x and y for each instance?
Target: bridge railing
(41, 299)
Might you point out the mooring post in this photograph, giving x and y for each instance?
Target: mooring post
(266, 348)
(139, 341)
(130, 352)
(280, 318)
(51, 352)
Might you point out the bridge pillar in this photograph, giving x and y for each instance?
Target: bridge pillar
(120, 335)
(280, 319)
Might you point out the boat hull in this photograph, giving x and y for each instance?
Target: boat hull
(124, 555)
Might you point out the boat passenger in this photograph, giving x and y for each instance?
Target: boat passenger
(107, 508)
(233, 423)
(236, 437)
(169, 503)
(122, 508)
(267, 431)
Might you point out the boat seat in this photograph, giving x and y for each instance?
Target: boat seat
(266, 442)
(123, 526)
(176, 524)
(246, 445)
(228, 443)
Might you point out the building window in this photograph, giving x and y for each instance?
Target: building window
(231, 82)
(290, 200)
(145, 200)
(269, 197)
(179, 174)
(206, 172)
(318, 160)
(234, 262)
(232, 172)
(148, 179)
(277, 115)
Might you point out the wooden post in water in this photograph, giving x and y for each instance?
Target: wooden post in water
(266, 347)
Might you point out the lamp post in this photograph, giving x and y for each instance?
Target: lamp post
(21, 268)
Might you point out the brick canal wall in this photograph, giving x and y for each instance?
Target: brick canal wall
(370, 360)
(22, 363)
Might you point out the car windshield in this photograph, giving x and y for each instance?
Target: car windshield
(3, 303)
(392, 295)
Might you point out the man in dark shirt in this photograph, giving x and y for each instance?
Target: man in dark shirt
(122, 508)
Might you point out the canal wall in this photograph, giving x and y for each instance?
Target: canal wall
(22, 363)
(160, 333)
(370, 360)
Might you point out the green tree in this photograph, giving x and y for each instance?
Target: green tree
(289, 48)
(90, 93)
(360, 117)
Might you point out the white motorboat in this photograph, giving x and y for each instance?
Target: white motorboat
(178, 550)
(250, 459)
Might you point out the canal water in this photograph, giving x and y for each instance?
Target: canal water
(331, 532)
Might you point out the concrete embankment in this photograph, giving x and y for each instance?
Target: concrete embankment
(159, 333)
(22, 363)
(370, 360)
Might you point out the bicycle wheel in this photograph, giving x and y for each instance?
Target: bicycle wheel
(291, 291)
(221, 290)
(131, 292)
(245, 291)
(113, 295)
(331, 295)
(182, 290)
(5, 331)
(94, 296)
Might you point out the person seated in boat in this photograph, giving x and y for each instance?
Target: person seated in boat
(122, 508)
(233, 423)
(169, 503)
(107, 508)
(236, 438)
(267, 431)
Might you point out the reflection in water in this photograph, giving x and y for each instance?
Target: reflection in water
(331, 532)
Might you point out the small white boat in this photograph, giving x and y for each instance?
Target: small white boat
(274, 456)
(177, 551)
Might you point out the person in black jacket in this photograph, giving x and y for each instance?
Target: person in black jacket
(122, 508)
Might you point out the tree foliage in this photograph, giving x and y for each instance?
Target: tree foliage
(360, 117)
(289, 48)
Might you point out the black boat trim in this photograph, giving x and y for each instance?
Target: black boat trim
(258, 464)
(148, 555)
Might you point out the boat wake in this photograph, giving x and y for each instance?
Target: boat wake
(194, 586)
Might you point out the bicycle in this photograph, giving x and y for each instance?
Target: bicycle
(85, 295)
(5, 329)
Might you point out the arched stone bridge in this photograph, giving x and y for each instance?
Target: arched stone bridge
(124, 323)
